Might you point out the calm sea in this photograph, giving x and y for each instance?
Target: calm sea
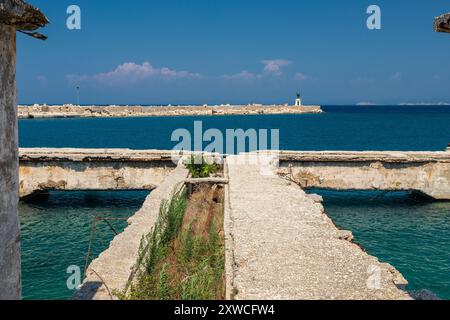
(56, 234)
(413, 236)
(341, 128)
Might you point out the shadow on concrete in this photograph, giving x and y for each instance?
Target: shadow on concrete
(87, 291)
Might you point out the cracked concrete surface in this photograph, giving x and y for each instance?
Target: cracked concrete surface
(284, 246)
(280, 244)
(113, 268)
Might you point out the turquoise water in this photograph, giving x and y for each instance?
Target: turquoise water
(411, 235)
(56, 233)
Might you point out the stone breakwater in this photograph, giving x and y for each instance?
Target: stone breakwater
(73, 111)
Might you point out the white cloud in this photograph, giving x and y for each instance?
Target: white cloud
(424, 104)
(301, 76)
(396, 76)
(76, 78)
(275, 66)
(437, 78)
(132, 72)
(42, 80)
(243, 75)
(363, 104)
(271, 67)
(362, 81)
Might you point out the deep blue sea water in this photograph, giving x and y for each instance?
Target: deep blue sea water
(56, 235)
(341, 128)
(413, 236)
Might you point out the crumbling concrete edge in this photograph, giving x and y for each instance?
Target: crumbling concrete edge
(396, 276)
(113, 270)
(230, 262)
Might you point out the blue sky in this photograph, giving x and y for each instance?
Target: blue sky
(230, 51)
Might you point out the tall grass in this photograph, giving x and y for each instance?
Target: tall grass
(176, 262)
(151, 275)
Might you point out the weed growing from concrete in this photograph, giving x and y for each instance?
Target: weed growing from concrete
(183, 257)
(199, 167)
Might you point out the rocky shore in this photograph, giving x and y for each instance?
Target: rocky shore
(73, 111)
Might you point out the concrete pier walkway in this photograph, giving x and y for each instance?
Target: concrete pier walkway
(279, 243)
(111, 271)
(282, 245)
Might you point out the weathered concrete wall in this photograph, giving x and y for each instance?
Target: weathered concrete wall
(426, 172)
(91, 169)
(9, 224)
(71, 111)
(122, 169)
(112, 271)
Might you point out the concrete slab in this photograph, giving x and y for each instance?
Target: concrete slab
(282, 245)
(112, 269)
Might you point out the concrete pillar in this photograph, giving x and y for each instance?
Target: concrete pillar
(10, 276)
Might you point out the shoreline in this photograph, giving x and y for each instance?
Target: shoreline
(114, 111)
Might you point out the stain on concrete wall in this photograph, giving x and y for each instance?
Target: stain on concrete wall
(45, 175)
(430, 178)
(10, 278)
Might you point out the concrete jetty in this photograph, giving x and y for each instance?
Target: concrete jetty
(73, 111)
(43, 169)
(113, 269)
(122, 169)
(427, 173)
(282, 245)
